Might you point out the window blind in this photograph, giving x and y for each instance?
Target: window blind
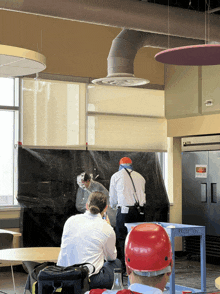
(121, 118)
(53, 114)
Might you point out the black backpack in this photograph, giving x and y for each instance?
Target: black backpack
(69, 280)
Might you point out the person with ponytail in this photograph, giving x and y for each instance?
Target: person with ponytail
(89, 238)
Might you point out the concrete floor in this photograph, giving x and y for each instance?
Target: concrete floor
(187, 274)
(6, 284)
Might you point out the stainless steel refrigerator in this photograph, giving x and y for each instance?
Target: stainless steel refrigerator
(201, 186)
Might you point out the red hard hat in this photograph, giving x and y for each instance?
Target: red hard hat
(148, 248)
(125, 160)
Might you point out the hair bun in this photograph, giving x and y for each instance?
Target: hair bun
(97, 202)
(94, 209)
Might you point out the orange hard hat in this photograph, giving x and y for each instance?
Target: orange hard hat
(148, 250)
(125, 160)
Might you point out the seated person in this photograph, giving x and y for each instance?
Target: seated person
(148, 258)
(89, 238)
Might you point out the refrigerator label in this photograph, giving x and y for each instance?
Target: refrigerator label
(201, 171)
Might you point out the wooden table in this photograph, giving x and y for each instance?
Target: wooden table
(37, 254)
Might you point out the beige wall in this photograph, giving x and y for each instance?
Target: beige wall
(181, 91)
(191, 126)
(187, 89)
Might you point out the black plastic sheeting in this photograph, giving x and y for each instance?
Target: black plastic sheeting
(47, 187)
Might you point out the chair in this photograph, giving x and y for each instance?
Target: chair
(6, 242)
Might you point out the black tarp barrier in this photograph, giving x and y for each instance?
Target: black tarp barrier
(47, 187)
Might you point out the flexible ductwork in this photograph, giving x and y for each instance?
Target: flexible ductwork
(124, 49)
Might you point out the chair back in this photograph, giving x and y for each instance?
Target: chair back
(6, 240)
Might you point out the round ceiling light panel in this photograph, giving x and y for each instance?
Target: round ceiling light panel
(196, 55)
(15, 61)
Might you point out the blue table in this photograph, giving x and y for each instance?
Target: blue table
(180, 230)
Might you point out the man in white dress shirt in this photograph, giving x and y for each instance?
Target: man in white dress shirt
(127, 193)
(89, 238)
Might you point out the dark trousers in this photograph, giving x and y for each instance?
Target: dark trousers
(132, 216)
(105, 278)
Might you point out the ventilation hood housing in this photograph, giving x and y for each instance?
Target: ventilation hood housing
(201, 143)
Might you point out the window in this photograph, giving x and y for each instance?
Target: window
(9, 115)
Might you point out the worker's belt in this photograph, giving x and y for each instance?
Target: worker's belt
(140, 209)
(126, 206)
(130, 206)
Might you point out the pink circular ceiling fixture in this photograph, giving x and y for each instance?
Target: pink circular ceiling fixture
(196, 55)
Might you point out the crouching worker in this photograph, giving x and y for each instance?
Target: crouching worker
(89, 238)
(148, 259)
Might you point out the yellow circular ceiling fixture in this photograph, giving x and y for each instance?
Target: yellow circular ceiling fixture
(15, 61)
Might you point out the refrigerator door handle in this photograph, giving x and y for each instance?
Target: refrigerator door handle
(204, 192)
(213, 192)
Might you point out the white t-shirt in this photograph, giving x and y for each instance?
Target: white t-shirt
(87, 238)
(121, 190)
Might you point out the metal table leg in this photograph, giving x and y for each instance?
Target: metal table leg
(172, 276)
(13, 279)
(203, 262)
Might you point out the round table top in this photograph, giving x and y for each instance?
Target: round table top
(37, 254)
(217, 283)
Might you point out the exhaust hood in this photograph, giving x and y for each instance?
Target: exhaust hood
(201, 143)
